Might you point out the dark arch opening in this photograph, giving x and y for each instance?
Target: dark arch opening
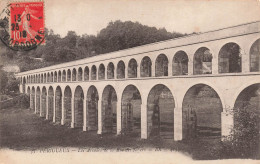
(109, 105)
(86, 74)
(255, 56)
(146, 67)
(78, 106)
(74, 74)
(201, 113)
(59, 76)
(51, 80)
(120, 70)
(80, 74)
(41, 78)
(93, 72)
(50, 103)
(92, 108)
(161, 65)
(68, 75)
(180, 64)
(55, 76)
(110, 71)
(63, 75)
(45, 78)
(58, 101)
(131, 111)
(229, 58)
(160, 112)
(101, 72)
(67, 106)
(202, 62)
(132, 69)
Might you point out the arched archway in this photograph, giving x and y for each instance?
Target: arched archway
(33, 99)
(146, 67)
(80, 74)
(78, 106)
(67, 105)
(74, 74)
(45, 78)
(59, 76)
(160, 112)
(58, 103)
(86, 73)
(110, 71)
(44, 100)
(92, 108)
(41, 78)
(132, 69)
(101, 72)
(38, 100)
(229, 58)
(50, 103)
(131, 111)
(255, 56)
(109, 104)
(201, 112)
(68, 75)
(202, 61)
(161, 65)
(63, 75)
(51, 80)
(180, 64)
(55, 76)
(48, 77)
(93, 72)
(120, 70)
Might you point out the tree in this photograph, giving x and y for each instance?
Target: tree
(3, 81)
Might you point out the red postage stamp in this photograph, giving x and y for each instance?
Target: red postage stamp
(27, 23)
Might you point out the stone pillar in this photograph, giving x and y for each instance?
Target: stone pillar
(54, 107)
(72, 112)
(144, 118)
(190, 67)
(178, 123)
(35, 103)
(215, 65)
(30, 101)
(85, 114)
(99, 117)
(105, 74)
(62, 111)
(118, 116)
(227, 123)
(138, 71)
(170, 67)
(126, 71)
(245, 60)
(153, 69)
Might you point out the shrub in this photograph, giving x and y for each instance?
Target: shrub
(244, 139)
(23, 101)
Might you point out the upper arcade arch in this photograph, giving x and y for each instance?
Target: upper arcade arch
(255, 56)
(180, 63)
(132, 68)
(161, 65)
(202, 61)
(120, 70)
(101, 72)
(110, 71)
(146, 67)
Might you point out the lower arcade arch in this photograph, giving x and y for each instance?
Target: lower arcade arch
(67, 105)
(201, 113)
(109, 107)
(50, 103)
(248, 103)
(38, 100)
(92, 108)
(78, 107)
(131, 111)
(58, 104)
(44, 100)
(160, 112)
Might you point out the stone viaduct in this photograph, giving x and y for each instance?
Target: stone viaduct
(137, 89)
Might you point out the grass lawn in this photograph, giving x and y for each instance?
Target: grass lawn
(23, 130)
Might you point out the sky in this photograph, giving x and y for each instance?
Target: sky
(185, 16)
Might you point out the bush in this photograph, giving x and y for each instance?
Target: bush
(23, 101)
(244, 139)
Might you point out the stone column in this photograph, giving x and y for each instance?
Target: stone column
(153, 69)
(215, 65)
(47, 106)
(178, 123)
(72, 112)
(99, 117)
(245, 59)
(118, 116)
(105, 74)
(138, 71)
(126, 71)
(170, 67)
(30, 101)
(227, 123)
(190, 67)
(35, 102)
(40, 105)
(62, 111)
(144, 118)
(85, 114)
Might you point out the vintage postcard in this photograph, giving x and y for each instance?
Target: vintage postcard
(127, 81)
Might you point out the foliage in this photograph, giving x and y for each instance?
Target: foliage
(12, 85)
(244, 139)
(3, 81)
(23, 101)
